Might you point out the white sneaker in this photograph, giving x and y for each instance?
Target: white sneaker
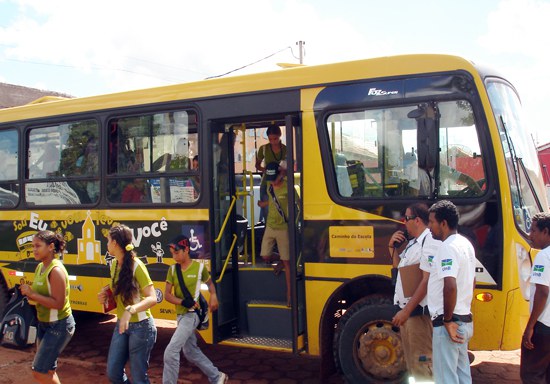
(223, 378)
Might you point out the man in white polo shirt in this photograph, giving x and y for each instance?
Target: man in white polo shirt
(450, 293)
(535, 345)
(413, 317)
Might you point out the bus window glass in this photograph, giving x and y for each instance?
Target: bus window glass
(157, 150)
(392, 152)
(461, 169)
(9, 157)
(67, 156)
(524, 174)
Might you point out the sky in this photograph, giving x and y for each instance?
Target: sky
(90, 48)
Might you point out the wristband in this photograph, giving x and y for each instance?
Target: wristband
(130, 310)
(448, 321)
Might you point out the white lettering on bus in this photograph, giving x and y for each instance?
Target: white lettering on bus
(154, 230)
(380, 92)
(34, 223)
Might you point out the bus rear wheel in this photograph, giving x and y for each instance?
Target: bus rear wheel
(367, 348)
(4, 295)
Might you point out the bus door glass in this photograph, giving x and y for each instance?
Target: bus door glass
(223, 225)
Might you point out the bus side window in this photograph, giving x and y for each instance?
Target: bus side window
(461, 167)
(9, 192)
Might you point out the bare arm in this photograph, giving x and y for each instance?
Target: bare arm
(398, 237)
(449, 297)
(149, 299)
(419, 294)
(213, 304)
(169, 296)
(58, 286)
(539, 302)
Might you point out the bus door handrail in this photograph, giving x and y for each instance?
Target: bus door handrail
(227, 258)
(228, 214)
(250, 195)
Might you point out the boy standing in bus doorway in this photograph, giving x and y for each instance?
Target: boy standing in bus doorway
(276, 229)
(272, 152)
(450, 292)
(413, 317)
(535, 344)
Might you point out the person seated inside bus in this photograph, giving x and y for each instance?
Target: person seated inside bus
(136, 162)
(135, 192)
(48, 163)
(129, 161)
(179, 160)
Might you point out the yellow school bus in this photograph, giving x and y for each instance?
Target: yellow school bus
(364, 140)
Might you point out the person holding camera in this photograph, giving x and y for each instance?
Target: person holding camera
(411, 286)
(184, 338)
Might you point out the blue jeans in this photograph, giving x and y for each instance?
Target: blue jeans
(51, 339)
(450, 360)
(184, 339)
(135, 345)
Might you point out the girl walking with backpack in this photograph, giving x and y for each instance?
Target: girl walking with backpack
(184, 338)
(50, 290)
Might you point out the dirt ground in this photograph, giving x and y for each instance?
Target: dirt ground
(84, 361)
(16, 369)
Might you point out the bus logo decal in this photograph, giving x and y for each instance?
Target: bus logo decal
(381, 92)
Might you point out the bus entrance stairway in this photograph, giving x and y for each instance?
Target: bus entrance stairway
(263, 311)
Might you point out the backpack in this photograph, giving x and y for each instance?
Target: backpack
(18, 327)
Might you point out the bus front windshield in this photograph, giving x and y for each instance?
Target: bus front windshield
(522, 166)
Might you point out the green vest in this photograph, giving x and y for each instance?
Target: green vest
(141, 276)
(190, 276)
(41, 285)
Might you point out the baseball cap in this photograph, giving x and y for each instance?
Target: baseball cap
(179, 242)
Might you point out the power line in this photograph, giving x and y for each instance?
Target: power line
(97, 68)
(248, 65)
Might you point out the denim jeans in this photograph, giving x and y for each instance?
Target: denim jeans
(184, 339)
(450, 360)
(52, 338)
(134, 345)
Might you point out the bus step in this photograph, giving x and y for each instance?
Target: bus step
(283, 345)
(269, 319)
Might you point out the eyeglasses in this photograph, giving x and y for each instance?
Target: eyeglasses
(175, 248)
(412, 217)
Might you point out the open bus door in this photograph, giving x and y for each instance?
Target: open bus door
(253, 307)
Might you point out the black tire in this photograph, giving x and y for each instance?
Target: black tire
(367, 348)
(4, 295)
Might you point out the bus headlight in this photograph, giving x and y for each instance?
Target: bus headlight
(524, 270)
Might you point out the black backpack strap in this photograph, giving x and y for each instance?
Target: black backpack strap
(184, 289)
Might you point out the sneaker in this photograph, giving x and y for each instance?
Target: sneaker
(223, 378)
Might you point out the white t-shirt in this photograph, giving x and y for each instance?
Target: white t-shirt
(416, 252)
(455, 258)
(540, 274)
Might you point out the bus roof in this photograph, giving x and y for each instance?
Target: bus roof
(305, 76)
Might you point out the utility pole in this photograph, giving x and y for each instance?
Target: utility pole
(301, 48)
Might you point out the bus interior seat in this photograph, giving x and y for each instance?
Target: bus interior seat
(342, 176)
(356, 174)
